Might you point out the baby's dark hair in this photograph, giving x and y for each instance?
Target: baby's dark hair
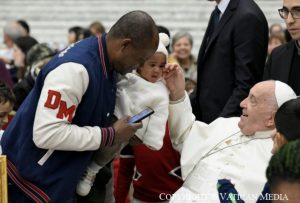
(287, 119)
(6, 94)
(284, 166)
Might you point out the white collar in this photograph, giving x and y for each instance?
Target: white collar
(261, 135)
(223, 5)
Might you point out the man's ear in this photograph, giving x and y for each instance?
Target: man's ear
(125, 43)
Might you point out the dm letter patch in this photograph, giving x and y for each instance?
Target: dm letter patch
(54, 101)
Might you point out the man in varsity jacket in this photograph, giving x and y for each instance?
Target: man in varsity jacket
(67, 114)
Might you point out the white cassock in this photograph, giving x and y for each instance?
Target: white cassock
(216, 151)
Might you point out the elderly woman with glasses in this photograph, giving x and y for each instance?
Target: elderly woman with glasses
(182, 44)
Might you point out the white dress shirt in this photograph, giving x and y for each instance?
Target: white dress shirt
(222, 6)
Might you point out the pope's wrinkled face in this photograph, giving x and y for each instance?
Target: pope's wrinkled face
(257, 114)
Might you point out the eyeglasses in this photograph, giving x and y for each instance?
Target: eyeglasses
(284, 12)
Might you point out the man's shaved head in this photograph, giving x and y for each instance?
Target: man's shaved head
(131, 41)
(136, 25)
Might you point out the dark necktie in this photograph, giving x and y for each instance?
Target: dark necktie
(213, 23)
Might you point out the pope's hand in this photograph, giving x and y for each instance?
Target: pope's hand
(174, 77)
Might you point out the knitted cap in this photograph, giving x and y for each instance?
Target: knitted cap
(38, 52)
(25, 43)
(283, 93)
(163, 42)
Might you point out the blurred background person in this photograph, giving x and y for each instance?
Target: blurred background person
(190, 85)
(74, 34)
(11, 31)
(96, 28)
(7, 100)
(85, 33)
(276, 29)
(25, 25)
(21, 47)
(182, 44)
(78, 33)
(38, 56)
(5, 75)
(275, 41)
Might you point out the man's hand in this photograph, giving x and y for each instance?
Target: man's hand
(174, 77)
(124, 130)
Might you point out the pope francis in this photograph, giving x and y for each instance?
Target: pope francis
(237, 148)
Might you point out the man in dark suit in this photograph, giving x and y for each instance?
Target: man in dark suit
(230, 60)
(284, 61)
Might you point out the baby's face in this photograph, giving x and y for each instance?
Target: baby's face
(153, 67)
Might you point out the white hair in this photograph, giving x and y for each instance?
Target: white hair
(14, 30)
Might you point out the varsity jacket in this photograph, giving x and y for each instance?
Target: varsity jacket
(50, 141)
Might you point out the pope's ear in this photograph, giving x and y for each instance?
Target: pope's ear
(270, 121)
